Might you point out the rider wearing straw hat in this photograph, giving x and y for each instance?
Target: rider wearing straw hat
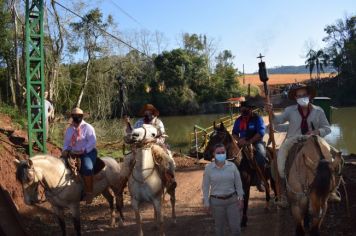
(304, 119)
(150, 116)
(80, 140)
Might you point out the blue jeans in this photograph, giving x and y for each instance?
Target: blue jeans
(87, 163)
(260, 153)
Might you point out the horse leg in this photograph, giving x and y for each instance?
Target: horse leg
(318, 209)
(60, 216)
(119, 206)
(119, 201)
(135, 206)
(157, 203)
(173, 205)
(267, 187)
(75, 210)
(246, 182)
(109, 197)
(298, 215)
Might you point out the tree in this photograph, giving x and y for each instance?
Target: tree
(317, 59)
(90, 33)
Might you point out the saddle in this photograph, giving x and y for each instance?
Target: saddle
(73, 162)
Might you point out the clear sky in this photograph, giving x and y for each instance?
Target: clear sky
(279, 29)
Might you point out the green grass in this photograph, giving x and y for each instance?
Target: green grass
(18, 117)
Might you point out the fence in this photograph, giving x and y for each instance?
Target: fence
(200, 136)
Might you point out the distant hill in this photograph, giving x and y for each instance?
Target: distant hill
(294, 70)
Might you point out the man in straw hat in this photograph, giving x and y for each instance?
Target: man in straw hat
(249, 129)
(80, 140)
(304, 119)
(149, 114)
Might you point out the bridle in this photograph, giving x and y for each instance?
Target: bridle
(48, 192)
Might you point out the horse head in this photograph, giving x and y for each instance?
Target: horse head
(145, 134)
(29, 180)
(219, 135)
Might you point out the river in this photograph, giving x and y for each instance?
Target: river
(343, 129)
(178, 128)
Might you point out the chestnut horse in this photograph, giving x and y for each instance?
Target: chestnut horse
(245, 162)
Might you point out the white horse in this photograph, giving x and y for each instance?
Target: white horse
(63, 191)
(145, 181)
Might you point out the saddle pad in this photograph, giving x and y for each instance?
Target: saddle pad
(99, 165)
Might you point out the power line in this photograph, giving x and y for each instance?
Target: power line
(101, 29)
(126, 13)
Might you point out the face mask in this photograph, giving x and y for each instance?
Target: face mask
(220, 157)
(77, 119)
(245, 112)
(148, 118)
(303, 101)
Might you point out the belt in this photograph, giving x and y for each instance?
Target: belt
(224, 197)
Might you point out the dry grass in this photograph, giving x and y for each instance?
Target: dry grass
(276, 79)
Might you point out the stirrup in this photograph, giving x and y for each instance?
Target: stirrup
(334, 197)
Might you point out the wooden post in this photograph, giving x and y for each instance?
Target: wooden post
(264, 78)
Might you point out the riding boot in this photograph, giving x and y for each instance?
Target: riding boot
(88, 189)
(282, 200)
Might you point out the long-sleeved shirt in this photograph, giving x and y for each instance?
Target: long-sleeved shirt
(81, 139)
(316, 120)
(255, 125)
(221, 181)
(157, 123)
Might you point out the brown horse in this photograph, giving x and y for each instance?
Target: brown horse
(243, 158)
(311, 172)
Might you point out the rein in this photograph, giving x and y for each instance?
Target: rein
(48, 192)
(143, 146)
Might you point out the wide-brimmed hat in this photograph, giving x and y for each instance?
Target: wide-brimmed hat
(253, 102)
(148, 107)
(77, 111)
(310, 90)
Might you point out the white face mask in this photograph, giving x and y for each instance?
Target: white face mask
(303, 101)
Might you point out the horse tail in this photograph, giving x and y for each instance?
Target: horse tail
(322, 180)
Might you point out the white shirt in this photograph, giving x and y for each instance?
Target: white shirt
(157, 123)
(48, 108)
(221, 181)
(84, 142)
(316, 117)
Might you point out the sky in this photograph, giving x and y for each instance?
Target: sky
(279, 29)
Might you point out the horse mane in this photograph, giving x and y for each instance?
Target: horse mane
(322, 180)
(24, 165)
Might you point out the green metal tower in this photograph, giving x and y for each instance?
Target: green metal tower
(35, 82)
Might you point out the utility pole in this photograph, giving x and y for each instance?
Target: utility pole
(35, 86)
(243, 74)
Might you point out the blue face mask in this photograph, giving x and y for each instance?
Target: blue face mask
(220, 157)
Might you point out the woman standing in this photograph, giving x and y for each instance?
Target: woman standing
(222, 191)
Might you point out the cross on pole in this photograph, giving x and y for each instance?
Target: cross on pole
(260, 57)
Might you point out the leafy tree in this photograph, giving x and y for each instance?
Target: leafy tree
(89, 33)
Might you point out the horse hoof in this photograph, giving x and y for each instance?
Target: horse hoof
(121, 223)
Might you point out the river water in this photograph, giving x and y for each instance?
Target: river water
(343, 135)
(178, 128)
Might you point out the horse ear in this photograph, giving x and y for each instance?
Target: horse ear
(222, 125)
(17, 162)
(30, 163)
(214, 124)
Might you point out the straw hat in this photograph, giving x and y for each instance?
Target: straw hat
(77, 111)
(148, 107)
(310, 90)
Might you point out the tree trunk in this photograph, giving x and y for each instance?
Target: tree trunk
(17, 67)
(79, 101)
